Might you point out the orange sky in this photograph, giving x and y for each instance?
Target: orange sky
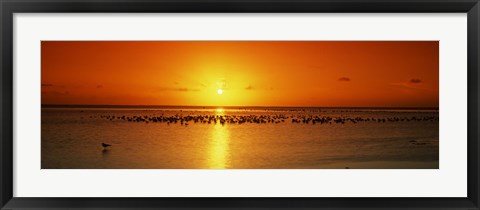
(250, 73)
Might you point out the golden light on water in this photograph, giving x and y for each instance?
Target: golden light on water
(219, 147)
(219, 111)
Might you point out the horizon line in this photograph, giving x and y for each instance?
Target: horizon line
(234, 106)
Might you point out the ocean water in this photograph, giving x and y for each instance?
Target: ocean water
(238, 138)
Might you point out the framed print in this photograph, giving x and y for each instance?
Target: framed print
(222, 118)
(239, 104)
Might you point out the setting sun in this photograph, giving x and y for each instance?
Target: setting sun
(220, 91)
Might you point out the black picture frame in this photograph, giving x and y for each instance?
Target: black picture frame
(9, 7)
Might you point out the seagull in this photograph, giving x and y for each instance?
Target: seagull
(105, 145)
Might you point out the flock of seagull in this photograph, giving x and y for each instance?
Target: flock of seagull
(260, 119)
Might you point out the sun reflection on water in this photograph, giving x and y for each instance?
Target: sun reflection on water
(219, 147)
(219, 111)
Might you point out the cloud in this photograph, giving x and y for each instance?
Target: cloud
(344, 79)
(52, 85)
(177, 89)
(250, 87)
(180, 89)
(99, 86)
(415, 81)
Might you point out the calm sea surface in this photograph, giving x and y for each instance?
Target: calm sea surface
(238, 138)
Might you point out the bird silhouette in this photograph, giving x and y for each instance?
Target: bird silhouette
(105, 145)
